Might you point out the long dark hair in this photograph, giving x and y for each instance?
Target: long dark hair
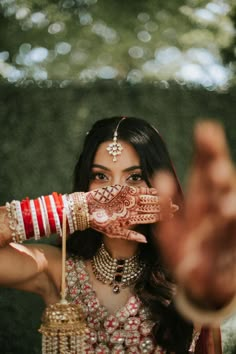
(155, 288)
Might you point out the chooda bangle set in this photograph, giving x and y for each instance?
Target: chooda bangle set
(43, 216)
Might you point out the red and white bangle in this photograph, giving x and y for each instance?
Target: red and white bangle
(55, 216)
(40, 217)
(35, 220)
(43, 216)
(27, 218)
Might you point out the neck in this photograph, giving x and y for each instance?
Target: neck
(118, 248)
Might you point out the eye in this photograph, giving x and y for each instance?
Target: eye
(135, 177)
(98, 176)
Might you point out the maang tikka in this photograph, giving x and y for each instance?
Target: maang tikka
(115, 148)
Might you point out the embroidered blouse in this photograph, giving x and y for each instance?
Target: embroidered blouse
(126, 331)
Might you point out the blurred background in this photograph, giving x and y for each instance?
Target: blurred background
(65, 64)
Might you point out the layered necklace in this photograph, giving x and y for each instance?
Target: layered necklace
(118, 273)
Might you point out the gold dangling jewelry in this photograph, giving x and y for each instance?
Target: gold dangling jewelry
(115, 148)
(63, 325)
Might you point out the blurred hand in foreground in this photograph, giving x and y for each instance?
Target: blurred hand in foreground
(199, 243)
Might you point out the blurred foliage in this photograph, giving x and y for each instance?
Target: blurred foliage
(42, 129)
(41, 132)
(84, 40)
(19, 323)
(229, 336)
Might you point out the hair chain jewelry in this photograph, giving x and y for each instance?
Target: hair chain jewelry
(115, 148)
(118, 273)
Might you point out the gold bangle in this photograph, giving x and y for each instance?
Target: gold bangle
(16, 223)
(80, 210)
(202, 316)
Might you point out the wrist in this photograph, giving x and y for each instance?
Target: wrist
(204, 311)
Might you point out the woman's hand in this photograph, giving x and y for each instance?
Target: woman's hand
(115, 209)
(199, 243)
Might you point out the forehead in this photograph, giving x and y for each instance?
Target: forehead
(127, 158)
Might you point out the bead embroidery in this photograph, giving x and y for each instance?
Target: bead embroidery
(126, 331)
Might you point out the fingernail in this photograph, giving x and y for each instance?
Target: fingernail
(153, 191)
(141, 239)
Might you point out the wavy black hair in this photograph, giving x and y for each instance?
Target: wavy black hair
(155, 288)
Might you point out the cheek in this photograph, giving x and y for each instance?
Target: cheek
(92, 186)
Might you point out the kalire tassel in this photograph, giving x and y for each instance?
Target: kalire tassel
(63, 325)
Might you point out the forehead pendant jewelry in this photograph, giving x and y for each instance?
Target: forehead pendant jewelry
(115, 148)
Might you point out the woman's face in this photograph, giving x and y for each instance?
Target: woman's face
(125, 171)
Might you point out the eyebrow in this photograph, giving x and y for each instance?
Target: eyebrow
(131, 168)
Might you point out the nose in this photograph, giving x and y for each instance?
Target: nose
(116, 181)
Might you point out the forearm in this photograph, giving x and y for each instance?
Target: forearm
(5, 231)
(112, 210)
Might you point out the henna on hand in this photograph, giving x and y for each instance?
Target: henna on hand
(114, 209)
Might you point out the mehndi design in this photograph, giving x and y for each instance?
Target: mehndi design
(112, 210)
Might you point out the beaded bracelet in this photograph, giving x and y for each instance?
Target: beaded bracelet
(19, 217)
(68, 213)
(43, 216)
(15, 223)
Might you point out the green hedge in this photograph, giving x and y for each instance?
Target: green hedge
(41, 131)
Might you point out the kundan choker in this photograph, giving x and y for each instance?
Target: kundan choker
(118, 273)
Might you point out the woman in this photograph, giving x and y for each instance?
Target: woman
(114, 269)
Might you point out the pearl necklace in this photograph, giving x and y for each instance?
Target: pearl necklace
(118, 273)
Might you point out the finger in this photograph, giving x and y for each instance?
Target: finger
(149, 208)
(147, 190)
(210, 147)
(210, 142)
(170, 237)
(228, 206)
(166, 185)
(135, 236)
(127, 235)
(145, 218)
(148, 199)
(212, 171)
